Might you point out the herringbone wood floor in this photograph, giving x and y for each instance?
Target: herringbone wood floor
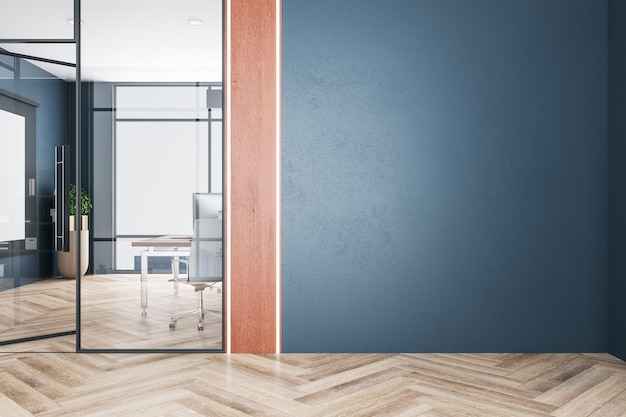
(111, 313)
(185, 385)
(46, 306)
(112, 319)
(181, 385)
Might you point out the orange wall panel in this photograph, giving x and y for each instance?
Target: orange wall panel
(253, 148)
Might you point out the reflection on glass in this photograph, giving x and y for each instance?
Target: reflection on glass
(58, 53)
(154, 143)
(148, 142)
(34, 301)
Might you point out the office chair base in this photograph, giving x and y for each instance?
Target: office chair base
(199, 311)
(187, 314)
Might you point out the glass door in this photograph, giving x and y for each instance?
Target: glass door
(37, 82)
(153, 106)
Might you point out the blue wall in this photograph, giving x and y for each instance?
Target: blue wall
(444, 175)
(617, 179)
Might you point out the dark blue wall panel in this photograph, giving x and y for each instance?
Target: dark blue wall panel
(444, 175)
(617, 178)
(51, 95)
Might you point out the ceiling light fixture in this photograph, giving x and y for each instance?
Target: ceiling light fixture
(195, 21)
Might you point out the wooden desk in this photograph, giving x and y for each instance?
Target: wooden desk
(174, 246)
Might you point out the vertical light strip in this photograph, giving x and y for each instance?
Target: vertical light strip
(278, 178)
(227, 140)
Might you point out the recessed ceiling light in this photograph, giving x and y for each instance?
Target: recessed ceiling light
(195, 21)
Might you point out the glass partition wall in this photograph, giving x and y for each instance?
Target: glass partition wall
(155, 145)
(37, 108)
(149, 112)
(154, 103)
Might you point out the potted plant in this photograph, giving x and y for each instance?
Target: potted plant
(67, 260)
(86, 204)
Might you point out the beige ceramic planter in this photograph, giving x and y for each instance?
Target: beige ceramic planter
(67, 260)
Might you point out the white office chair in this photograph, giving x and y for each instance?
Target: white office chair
(204, 267)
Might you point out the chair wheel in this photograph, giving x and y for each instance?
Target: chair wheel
(200, 327)
(172, 325)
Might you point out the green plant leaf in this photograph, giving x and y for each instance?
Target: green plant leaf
(86, 204)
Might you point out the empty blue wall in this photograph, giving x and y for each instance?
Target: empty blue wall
(444, 175)
(617, 178)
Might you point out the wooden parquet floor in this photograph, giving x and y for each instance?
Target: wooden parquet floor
(111, 313)
(112, 319)
(192, 385)
(43, 307)
(36, 382)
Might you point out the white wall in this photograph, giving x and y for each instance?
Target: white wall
(12, 166)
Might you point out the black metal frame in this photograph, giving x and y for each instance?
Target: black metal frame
(76, 41)
(61, 198)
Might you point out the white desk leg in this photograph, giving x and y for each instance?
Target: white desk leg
(144, 282)
(176, 271)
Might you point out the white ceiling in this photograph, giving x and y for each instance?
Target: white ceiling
(122, 40)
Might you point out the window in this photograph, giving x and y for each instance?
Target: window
(168, 145)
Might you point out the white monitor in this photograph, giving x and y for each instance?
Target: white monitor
(207, 206)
